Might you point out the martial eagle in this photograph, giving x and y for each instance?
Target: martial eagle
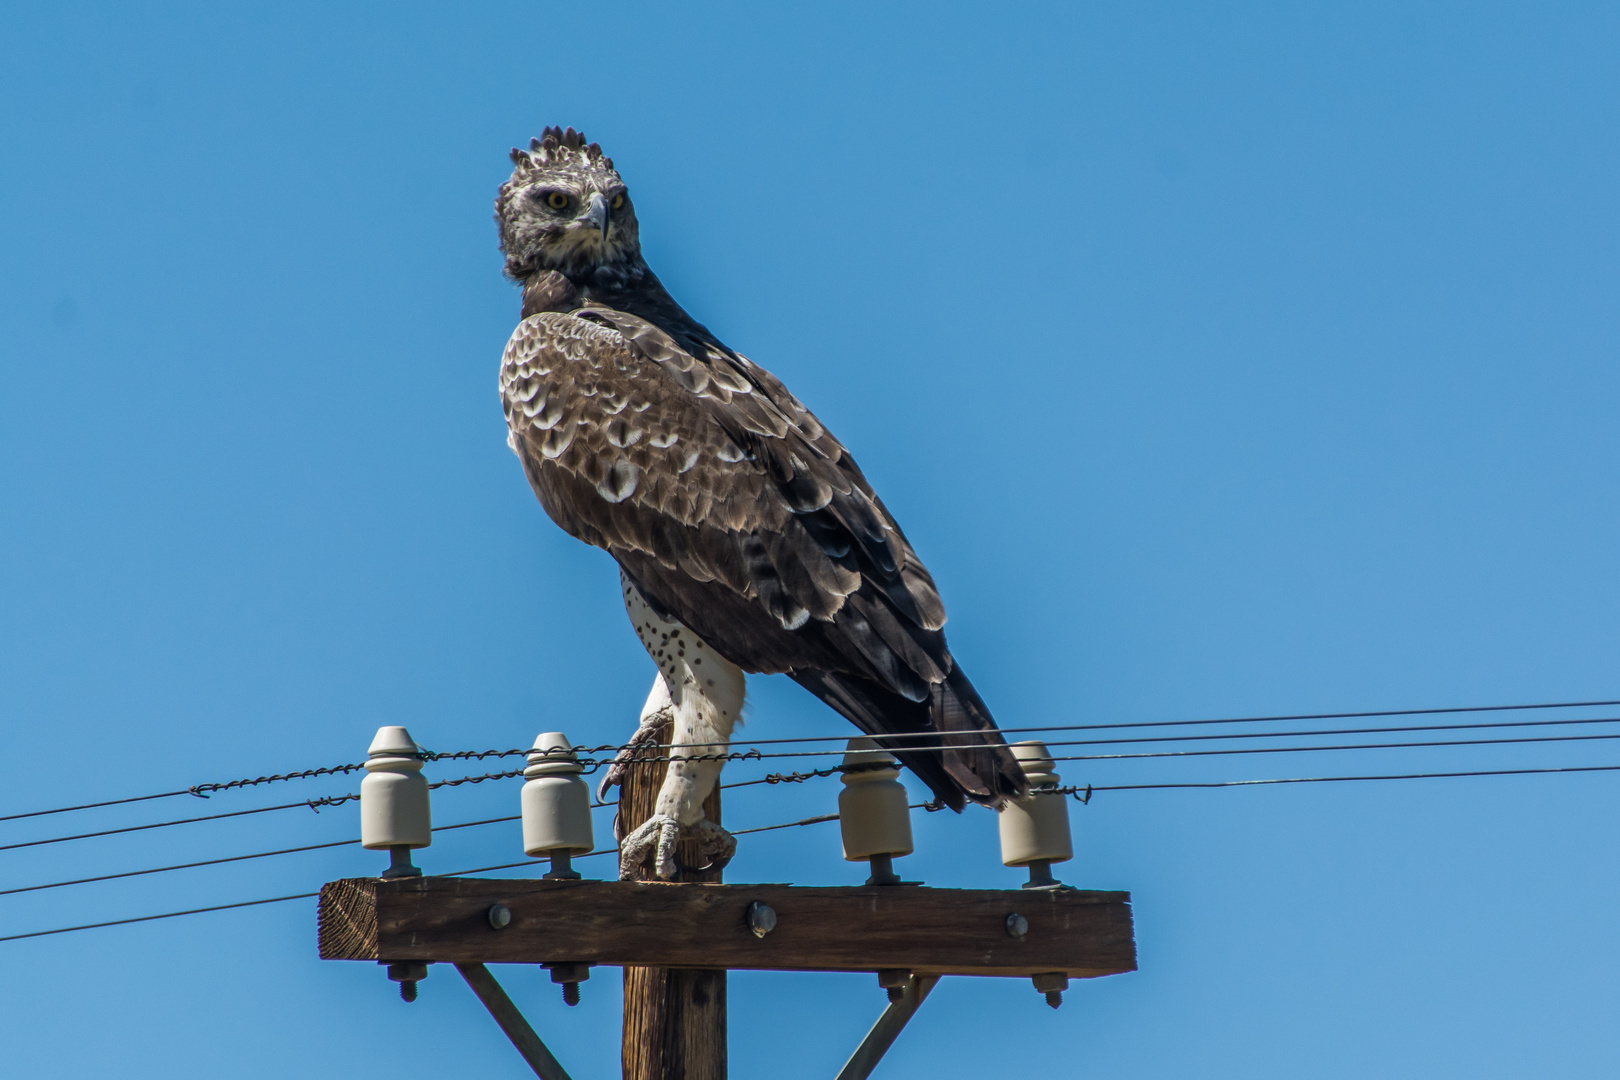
(746, 536)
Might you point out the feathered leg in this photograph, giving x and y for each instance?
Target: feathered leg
(705, 692)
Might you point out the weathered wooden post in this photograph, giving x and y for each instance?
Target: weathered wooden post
(674, 1018)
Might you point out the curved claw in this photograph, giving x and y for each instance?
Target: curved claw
(655, 837)
(646, 733)
(715, 843)
(655, 842)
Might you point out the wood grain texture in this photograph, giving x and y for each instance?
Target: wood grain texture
(346, 920)
(931, 931)
(674, 1018)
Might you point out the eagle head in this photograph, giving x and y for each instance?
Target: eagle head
(565, 208)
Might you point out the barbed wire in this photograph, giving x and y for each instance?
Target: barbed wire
(1081, 794)
(310, 895)
(238, 858)
(313, 804)
(911, 741)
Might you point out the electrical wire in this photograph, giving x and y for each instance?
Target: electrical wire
(235, 858)
(1087, 791)
(203, 790)
(306, 896)
(1336, 779)
(1342, 747)
(313, 804)
(1085, 727)
(164, 915)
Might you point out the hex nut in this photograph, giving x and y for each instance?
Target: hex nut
(500, 916)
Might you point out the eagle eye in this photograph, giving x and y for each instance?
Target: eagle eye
(557, 200)
(618, 201)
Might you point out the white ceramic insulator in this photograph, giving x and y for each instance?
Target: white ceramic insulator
(394, 794)
(556, 802)
(872, 811)
(1035, 828)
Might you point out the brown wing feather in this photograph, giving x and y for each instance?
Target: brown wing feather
(736, 511)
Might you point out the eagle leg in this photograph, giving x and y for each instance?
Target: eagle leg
(705, 692)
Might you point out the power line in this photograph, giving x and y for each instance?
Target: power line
(203, 790)
(1350, 746)
(313, 804)
(200, 791)
(1087, 791)
(306, 896)
(177, 866)
(164, 915)
(235, 858)
(1338, 779)
(1104, 727)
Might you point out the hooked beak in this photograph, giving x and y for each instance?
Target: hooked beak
(597, 212)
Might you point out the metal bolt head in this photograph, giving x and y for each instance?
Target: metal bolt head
(1052, 984)
(407, 974)
(500, 916)
(1017, 925)
(761, 918)
(569, 973)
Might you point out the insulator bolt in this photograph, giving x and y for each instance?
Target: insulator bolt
(1052, 984)
(407, 973)
(570, 976)
(500, 916)
(1017, 925)
(894, 980)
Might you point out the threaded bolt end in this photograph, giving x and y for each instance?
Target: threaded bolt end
(1054, 998)
(407, 989)
(570, 993)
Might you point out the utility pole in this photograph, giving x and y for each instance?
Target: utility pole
(674, 1018)
(677, 940)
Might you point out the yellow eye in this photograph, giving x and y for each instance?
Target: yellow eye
(618, 201)
(557, 200)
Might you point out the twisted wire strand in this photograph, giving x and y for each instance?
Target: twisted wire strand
(313, 804)
(894, 742)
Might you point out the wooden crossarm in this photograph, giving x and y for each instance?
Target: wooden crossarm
(926, 931)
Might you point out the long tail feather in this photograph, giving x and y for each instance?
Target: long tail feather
(982, 770)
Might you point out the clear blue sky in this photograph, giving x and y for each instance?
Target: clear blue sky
(1218, 360)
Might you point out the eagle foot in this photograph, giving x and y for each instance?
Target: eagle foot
(651, 725)
(654, 842)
